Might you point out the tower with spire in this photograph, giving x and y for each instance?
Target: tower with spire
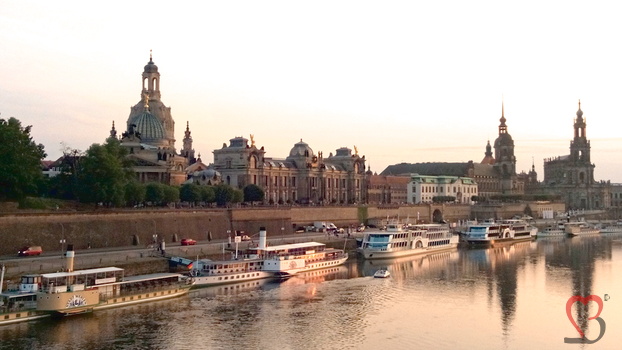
(572, 176)
(505, 161)
(188, 151)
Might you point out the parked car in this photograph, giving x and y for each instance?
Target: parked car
(246, 238)
(188, 241)
(30, 251)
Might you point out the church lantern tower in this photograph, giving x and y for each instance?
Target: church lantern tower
(582, 172)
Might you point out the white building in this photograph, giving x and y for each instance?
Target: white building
(423, 188)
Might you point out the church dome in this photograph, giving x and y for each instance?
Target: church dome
(504, 140)
(149, 127)
(151, 67)
(301, 149)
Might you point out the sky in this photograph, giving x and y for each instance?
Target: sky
(403, 81)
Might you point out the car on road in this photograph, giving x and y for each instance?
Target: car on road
(188, 241)
(246, 238)
(30, 251)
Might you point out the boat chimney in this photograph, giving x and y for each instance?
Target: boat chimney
(262, 238)
(70, 254)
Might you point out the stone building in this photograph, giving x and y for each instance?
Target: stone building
(383, 189)
(572, 176)
(494, 175)
(302, 177)
(150, 136)
(423, 188)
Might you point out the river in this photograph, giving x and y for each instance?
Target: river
(507, 297)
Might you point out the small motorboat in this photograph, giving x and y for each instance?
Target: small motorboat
(382, 274)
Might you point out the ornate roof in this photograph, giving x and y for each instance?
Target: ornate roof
(150, 128)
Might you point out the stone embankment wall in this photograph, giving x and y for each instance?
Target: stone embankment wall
(106, 229)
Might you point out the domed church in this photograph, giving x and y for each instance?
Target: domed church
(150, 136)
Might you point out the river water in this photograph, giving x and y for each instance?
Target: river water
(507, 297)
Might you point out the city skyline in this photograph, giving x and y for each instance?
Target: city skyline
(403, 81)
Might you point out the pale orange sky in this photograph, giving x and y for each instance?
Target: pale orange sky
(404, 81)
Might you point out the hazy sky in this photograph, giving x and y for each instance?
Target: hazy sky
(404, 81)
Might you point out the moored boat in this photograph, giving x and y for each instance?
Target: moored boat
(81, 291)
(579, 228)
(281, 262)
(489, 232)
(522, 229)
(397, 241)
(382, 274)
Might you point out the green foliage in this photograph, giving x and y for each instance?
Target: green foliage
(190, 193)
(443, 199)
(20, 165)
(154, 193)
(171, 194)
(224, 194)
(134, 193)
(237, 196)
(103, 173)
(362, 214)
(207, 194)
(253, 193)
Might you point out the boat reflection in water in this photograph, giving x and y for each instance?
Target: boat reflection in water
(411, 266)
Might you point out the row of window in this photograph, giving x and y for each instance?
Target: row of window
(441, 189)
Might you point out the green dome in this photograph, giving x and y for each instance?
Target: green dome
(149, 127)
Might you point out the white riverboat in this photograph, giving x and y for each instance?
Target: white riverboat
(280, 261)
(488, 232)
(382, 274)
(612, 228)
(209, 273)
(522, 229)
(80, 291)
(552, 231)
(579, 228)
(399, 240)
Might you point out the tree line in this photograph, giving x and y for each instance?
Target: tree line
(101, 175)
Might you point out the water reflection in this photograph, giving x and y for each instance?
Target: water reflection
(509, 296)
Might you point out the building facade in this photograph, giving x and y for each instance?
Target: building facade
(302, 177)
(423, 188)
(572, 176)
(150, 136)
(387, 189)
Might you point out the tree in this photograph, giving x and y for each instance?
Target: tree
(103, 173)
(224, 194)
(237, 196)
(134, 193)
(171, 194)
(154, 193)
(20, 168)
(190, 193)
(253, 193)
(207, 194)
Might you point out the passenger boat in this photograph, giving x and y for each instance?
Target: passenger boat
(399, 240)
(614, 228)
(579, 228)
(81, 291)
(382, 274)
(522, 229)
(209, 273)
(281, 261)
(488, 232)
(552, 231)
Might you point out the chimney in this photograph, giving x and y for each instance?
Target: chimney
(262, 238)
(70, 254)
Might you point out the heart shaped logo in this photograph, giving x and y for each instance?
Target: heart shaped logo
(584, 301)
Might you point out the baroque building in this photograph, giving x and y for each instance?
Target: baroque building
(494, 175)
(150, 136)
(302, 177)
(572, 176)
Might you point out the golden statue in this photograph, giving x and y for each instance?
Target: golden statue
(252, 140)
(146, 99)
(356, 151)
